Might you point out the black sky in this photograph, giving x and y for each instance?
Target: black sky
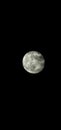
(31, 32)
(27, 27)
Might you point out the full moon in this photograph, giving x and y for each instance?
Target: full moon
(33, 62)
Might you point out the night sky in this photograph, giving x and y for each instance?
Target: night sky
(31, 33)
(29, 97)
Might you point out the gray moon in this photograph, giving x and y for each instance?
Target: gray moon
(33, 62)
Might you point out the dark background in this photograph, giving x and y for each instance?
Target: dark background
(32, 32)
(32, 91)
(28, 28)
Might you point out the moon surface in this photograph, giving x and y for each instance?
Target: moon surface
(33, 62)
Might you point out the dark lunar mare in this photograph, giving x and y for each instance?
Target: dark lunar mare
(39, 58)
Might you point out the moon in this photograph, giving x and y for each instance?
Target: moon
(33, 62)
